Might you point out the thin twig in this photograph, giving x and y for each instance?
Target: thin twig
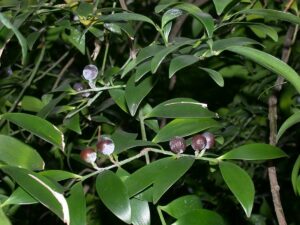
(62, 72)
(123, 5)
(272, 103)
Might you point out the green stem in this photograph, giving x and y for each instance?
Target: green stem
(161, 216)
(144, 135)
(28, 83)
(105, 57)
(97, 89)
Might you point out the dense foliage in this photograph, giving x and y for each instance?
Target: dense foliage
(148, 112)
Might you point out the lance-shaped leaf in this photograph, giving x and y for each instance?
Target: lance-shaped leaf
(118, 17)
(220, 5)
(140, 212)
(3, 218)
(45, 191)
(114, 195)
(270, 62)
(240, 184)
(15, 153)
(291, 121)
(136, 92)
(295, 176)
(215, 75)
(181, 62)
(170, 15)
(256, 151)
(37, 126)
(77, 205)
(184, 127)
(272, 14)
(181, 108)
(20, 197)
(223, 44)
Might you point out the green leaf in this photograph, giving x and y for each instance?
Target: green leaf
(140, 212)
(60, 175)
(270, 62)
(20, 197)
(38, 126)
(31, 104)
(172, 170)
(204, 18)
(118, 95)
(215, 75)
(45, 191)
(148, 52)
(114, 195)
(255, 151)
(3, 218)
(295, 175)
(240, 184)
(136, 92)
(220, 5)
(184, 127)
(181, 108)
(162, 54)
(206, 217)
(19, 36)
(145, 176)
(291, 121)
(272, 14)
(262, 30)
(170, 15)
(77, 205)
(118, 17)
(182, 205)
(73, 123)
(224, 44)
(181, 62)
(15, 153)
(142, 70)
(77, 39)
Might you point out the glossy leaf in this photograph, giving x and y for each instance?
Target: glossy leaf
(257, 151)
(45, 191)
(295, 175)
(182, 205)
(73, 123)
(272, 14)
(15, 153)
(148, 52)
(136, 92)
(60, 175)
(142, 70)
(19, 36)
(224, 44)
(171, 171)
(207, 217)
(206, 19)
(37, 126)
(3, 218)
(184, 127)
(161, 55)
(291, 121)
(262, 30)
(32, 104)
(114, 195)
(220, 5)
(181, 62)
(170, 15)
(77, 39)
(118, 95)
(240, 184)
(270, 62)
(181, 108)
(215, 75)
(140, 212)
(118, 17)
(20, 197)
(77, 205)
(145, 176)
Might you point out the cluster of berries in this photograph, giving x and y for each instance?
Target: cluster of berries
(104, 146)
(199, 142)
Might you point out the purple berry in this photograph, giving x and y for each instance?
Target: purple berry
(88, 155)
(210, 140)
(90, 72)
(198, 142)
(105, 146)
(177, 145)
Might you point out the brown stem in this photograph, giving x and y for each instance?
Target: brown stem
(123, 4)
(62, 72)
(272, 103)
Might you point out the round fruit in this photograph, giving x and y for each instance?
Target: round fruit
(105, 146)
(90, 72)
(177, 145)
(78, 86)
(210, 140)
(198, 142)
(88, 155)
